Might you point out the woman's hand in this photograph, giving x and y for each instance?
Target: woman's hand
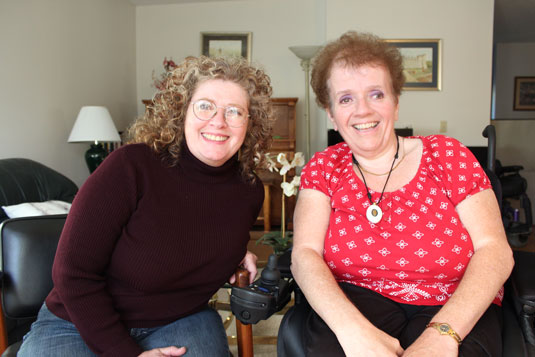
(249, 263)
(170, 351)
(369, 342)
(431, 343)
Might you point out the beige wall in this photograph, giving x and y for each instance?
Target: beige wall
(464, 101)
(63, 54)
(55, 57)
(465, 28)
(174, 31)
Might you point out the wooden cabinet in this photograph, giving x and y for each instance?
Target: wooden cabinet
(284, 127)
(284, 111)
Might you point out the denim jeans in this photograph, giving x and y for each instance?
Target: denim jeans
(201, 333)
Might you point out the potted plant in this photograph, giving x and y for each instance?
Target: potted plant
(282, 240)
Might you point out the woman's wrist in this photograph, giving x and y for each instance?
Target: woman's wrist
(444, 339)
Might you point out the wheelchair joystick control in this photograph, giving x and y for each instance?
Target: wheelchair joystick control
(263, 297)
(270, 275)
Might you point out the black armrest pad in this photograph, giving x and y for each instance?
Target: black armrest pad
(523, 277)
(284, 262)
(513, 168)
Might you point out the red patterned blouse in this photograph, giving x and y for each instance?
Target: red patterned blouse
(418, 253)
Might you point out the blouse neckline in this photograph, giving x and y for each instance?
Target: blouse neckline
(411, 182)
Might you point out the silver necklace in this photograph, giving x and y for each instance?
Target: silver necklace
(374, 213)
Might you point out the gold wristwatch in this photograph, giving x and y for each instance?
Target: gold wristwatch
(445, 329)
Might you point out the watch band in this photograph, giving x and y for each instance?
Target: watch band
(445, 329)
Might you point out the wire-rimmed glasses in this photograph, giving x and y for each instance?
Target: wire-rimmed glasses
(205, 109)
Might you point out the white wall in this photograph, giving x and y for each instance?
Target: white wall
(55, 57)
(464, 101)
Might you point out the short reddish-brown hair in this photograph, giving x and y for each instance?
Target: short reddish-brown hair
(354, 50)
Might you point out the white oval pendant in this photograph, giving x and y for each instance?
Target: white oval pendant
(374, 213)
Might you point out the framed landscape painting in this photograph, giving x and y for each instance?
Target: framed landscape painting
(421, 63)
(524, 93)
(216, 44)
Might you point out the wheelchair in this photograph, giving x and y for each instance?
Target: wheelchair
(518, 305)
(514, 187)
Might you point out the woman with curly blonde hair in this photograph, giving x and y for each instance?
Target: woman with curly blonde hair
(162, 126)
(163, 223)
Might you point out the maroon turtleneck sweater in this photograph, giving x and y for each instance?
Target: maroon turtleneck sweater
(145, 244)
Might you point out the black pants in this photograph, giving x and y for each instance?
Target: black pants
(405, 322)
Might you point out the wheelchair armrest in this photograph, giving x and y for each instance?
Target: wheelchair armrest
(523, 276)
(284, 263)
(512, 168)
(523, 292)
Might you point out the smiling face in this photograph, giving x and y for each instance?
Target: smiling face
(214, 141)
(363, 108)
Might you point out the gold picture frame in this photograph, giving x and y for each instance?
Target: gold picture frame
(223, 44)
(422, 62)
(524, 93)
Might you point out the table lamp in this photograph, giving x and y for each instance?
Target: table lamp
(94, 124)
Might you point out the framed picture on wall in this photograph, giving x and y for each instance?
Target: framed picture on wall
(421, 62)
(215, 44)
(524, 93)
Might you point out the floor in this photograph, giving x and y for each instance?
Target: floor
(265, 332)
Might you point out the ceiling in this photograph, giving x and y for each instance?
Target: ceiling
(163, 2)
(514, 20)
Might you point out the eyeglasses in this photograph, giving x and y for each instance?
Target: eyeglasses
(205, 109)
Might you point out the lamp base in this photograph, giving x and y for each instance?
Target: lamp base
(94, 156)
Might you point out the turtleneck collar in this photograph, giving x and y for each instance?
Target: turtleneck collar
(202, 172)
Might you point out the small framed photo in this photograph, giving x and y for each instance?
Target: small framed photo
(421, 63)
(524, 93)
(215, 44)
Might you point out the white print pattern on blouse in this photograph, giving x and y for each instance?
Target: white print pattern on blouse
(402, 244)
(369, 240)
(365, 258)
(402, 262)
(421, 253)
(365, 272)
(418, 235)
(411, 292)
(347, 262)
(435, 239)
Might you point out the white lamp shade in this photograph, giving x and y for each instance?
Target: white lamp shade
(94, 124)
(305, 52)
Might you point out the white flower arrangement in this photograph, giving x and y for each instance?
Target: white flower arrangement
(282, 240)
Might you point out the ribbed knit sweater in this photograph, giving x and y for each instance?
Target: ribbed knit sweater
(145, 244)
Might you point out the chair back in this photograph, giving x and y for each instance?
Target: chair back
(25, 180)
(28, 249)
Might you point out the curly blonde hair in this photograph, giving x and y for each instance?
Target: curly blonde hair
(353, 50)
(162, 126)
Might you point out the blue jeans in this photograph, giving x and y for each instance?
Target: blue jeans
(201, 333)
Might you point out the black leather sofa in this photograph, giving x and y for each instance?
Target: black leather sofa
(25, 180)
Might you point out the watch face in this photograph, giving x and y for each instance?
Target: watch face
(444, 328)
